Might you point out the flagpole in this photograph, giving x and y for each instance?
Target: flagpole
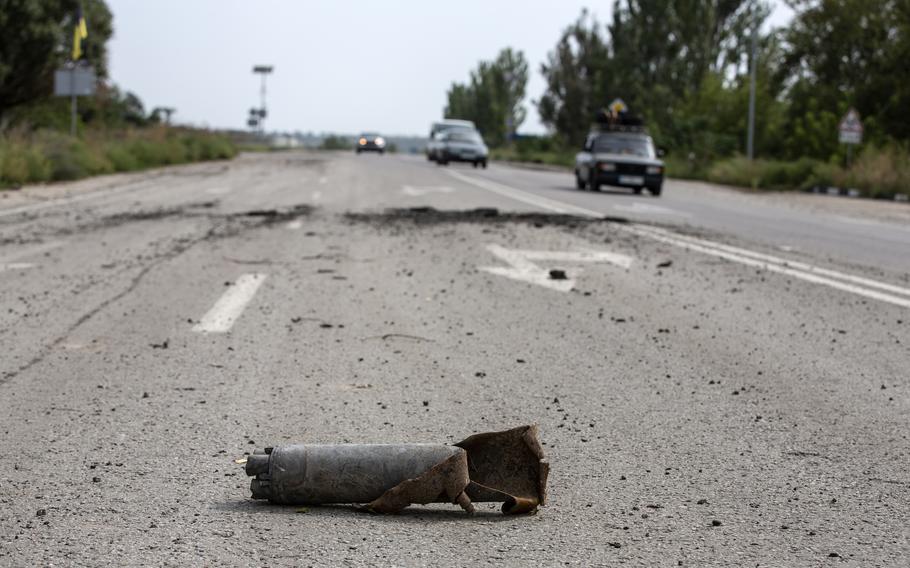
(73, 100)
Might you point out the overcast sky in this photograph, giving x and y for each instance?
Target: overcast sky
(342, 66)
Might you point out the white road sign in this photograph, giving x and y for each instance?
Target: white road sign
(850, 128)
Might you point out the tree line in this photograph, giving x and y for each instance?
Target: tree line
(683, 65)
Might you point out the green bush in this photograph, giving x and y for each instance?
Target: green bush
(50, 155)
(683, 168)
(20, 163)
(553, 157)
(121, 158)
(764, 174)
(877, 172)
(336, 143)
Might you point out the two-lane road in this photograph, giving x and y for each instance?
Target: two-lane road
(720, 380)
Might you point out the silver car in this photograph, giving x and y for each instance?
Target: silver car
(461, 145)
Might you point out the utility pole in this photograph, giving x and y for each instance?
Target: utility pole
(750, 139)
(510, 107)
(263, 71)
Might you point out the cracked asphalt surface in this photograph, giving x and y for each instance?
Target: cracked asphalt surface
(696, 410)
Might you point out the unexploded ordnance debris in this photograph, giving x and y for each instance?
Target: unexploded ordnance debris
(507, 467)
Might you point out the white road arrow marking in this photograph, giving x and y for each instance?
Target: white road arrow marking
(521, 266)
(418, 191)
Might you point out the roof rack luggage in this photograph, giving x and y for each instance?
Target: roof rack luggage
(607, 120)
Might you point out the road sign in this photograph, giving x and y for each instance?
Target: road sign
(850, 129)
(74, 81)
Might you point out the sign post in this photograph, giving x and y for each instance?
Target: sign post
(850, 131)
(74, 81)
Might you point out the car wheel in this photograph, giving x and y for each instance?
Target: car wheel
(476, 164)
(593, 184)
(483, 164)
(579, 183)
(655, 190)
(637, 190)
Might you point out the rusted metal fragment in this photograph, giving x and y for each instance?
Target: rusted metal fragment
(443, 483)
(506, 467)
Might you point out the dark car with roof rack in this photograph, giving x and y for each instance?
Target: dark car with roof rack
(619, 152)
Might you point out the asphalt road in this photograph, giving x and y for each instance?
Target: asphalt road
(722, 379)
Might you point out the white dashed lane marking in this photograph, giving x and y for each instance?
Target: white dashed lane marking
(648, 209)
(9, 262)
(418, 191)
(231, 304)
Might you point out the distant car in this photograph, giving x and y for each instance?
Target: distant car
(370, 142)
(621, 155)
(439, 128)
(461, 145)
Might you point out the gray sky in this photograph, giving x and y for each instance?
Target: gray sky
(340, 65)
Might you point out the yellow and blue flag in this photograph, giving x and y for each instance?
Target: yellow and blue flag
(80, 32)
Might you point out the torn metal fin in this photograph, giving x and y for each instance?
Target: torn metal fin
(505, 467)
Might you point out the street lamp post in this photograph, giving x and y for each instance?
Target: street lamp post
(750, 136)
(262, 71)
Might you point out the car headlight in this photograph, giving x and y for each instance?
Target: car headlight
(607, 167)
(654, 170)
(380, 141)
(363, 141)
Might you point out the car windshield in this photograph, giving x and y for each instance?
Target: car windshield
(369, 135)
(631, 146)
(464, 136)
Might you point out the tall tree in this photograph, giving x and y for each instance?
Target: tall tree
(576, 77)
(849, 53)
(655, 55)
(493, 97)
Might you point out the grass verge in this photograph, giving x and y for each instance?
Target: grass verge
(877, 172)
(46, 155)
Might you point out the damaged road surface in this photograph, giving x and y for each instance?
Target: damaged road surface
(702, 397)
